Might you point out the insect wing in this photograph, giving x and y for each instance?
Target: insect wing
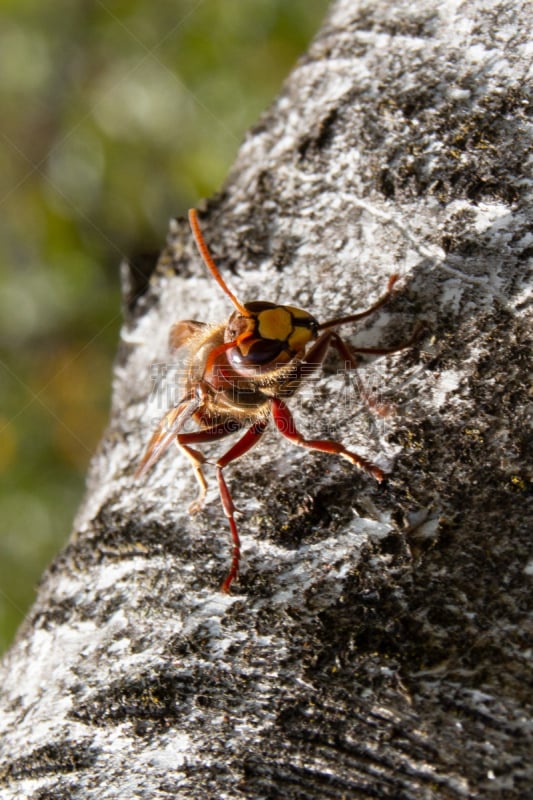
(182, 332)
(167, 430)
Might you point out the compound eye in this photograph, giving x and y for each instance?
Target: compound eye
(258, 354)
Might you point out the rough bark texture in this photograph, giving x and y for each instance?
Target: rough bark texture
(376, 643)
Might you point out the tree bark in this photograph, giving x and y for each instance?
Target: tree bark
(376, 642)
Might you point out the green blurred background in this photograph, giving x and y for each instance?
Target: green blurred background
(115, 116)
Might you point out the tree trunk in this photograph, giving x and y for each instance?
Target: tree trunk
(375, 644)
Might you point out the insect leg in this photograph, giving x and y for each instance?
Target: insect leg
(304, 368)
(351, 361)
(350, 353)
(250, 438)
(286, 425)
(184, 440)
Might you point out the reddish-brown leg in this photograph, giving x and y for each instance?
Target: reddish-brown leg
(350, 353)
(351, 361)
(317, 353)
(286, 425)
(305, 368)
(184, 440)
(250, 438)
(315, 357)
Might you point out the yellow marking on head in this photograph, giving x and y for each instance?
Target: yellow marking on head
(299, 338)
(275, 323)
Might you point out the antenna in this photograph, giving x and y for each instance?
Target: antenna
(332, 323)
(210, 264)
